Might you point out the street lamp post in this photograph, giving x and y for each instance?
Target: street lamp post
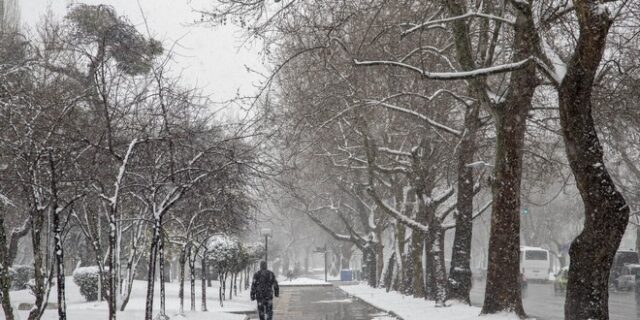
(266, 232)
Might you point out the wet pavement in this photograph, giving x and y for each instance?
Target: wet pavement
(322, 303)
(542, 303)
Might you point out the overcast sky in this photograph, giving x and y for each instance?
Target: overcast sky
(213, 58)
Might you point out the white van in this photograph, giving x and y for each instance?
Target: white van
(535, 263)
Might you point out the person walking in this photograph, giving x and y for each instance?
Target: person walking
(263, 287)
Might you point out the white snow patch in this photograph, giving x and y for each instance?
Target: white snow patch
(410, 308)
(79, 309)
(302, 282)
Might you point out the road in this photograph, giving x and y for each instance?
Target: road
(322, 303)
(541, 302)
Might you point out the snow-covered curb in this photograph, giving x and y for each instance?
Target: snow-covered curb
(409, 308)
(302, 282)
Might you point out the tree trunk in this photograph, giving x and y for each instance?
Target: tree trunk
(37, 222)
(235, 284)
(399, 281)
(379, 249)
(221, 290)
(113, 272)
(203, 263)
(459, 283)
(192, 279)
(59, 254)
(606, 212)
(417, 248)
(503, 291)
(151, 276)
(439, 272)
(370, 263)
(429, 267)
(163, 295)
(132, 265)
(388, 277)
(408, 288)
(182, 261)
(5, 280)
(231, 280)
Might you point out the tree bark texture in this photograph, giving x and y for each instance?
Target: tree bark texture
(203, 276)
(606, 211)
(417, 248)
(459, 283)
(5, 280)
(151, 275)
(503, 290)
(192, 279)
(182, 261)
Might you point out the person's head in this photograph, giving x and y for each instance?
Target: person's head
(263, 265)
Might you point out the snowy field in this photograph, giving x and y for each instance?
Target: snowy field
(410, 308)
(79, 309)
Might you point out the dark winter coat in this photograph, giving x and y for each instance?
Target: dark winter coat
(264, 286)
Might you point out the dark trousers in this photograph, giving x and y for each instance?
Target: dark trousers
(265, 309)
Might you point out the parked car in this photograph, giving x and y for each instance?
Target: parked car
(626, 280)
(622, 258)
(560, 281)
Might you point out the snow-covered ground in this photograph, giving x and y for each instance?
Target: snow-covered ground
(284, 282)
(410, 308)
(79, 309)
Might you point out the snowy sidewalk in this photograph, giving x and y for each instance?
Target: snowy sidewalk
(409, 308)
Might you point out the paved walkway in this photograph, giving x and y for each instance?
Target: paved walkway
(321, 303)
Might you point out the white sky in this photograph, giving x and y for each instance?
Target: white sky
(213, 58)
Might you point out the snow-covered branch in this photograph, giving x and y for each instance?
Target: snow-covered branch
(418, 115)
(467, 15)
(444, 76)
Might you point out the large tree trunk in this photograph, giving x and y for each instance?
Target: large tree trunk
(370, 264)
(408, 274)
(436, 274)
(606, 212)
(5, 280)
(417, 248)
(459, 284)
(388, 276)
(429, 271)
(399, 281)
(379, 248)
(503, 291)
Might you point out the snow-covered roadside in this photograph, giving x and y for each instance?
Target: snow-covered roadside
(283, 282)
(79, 309)
(410, 308)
